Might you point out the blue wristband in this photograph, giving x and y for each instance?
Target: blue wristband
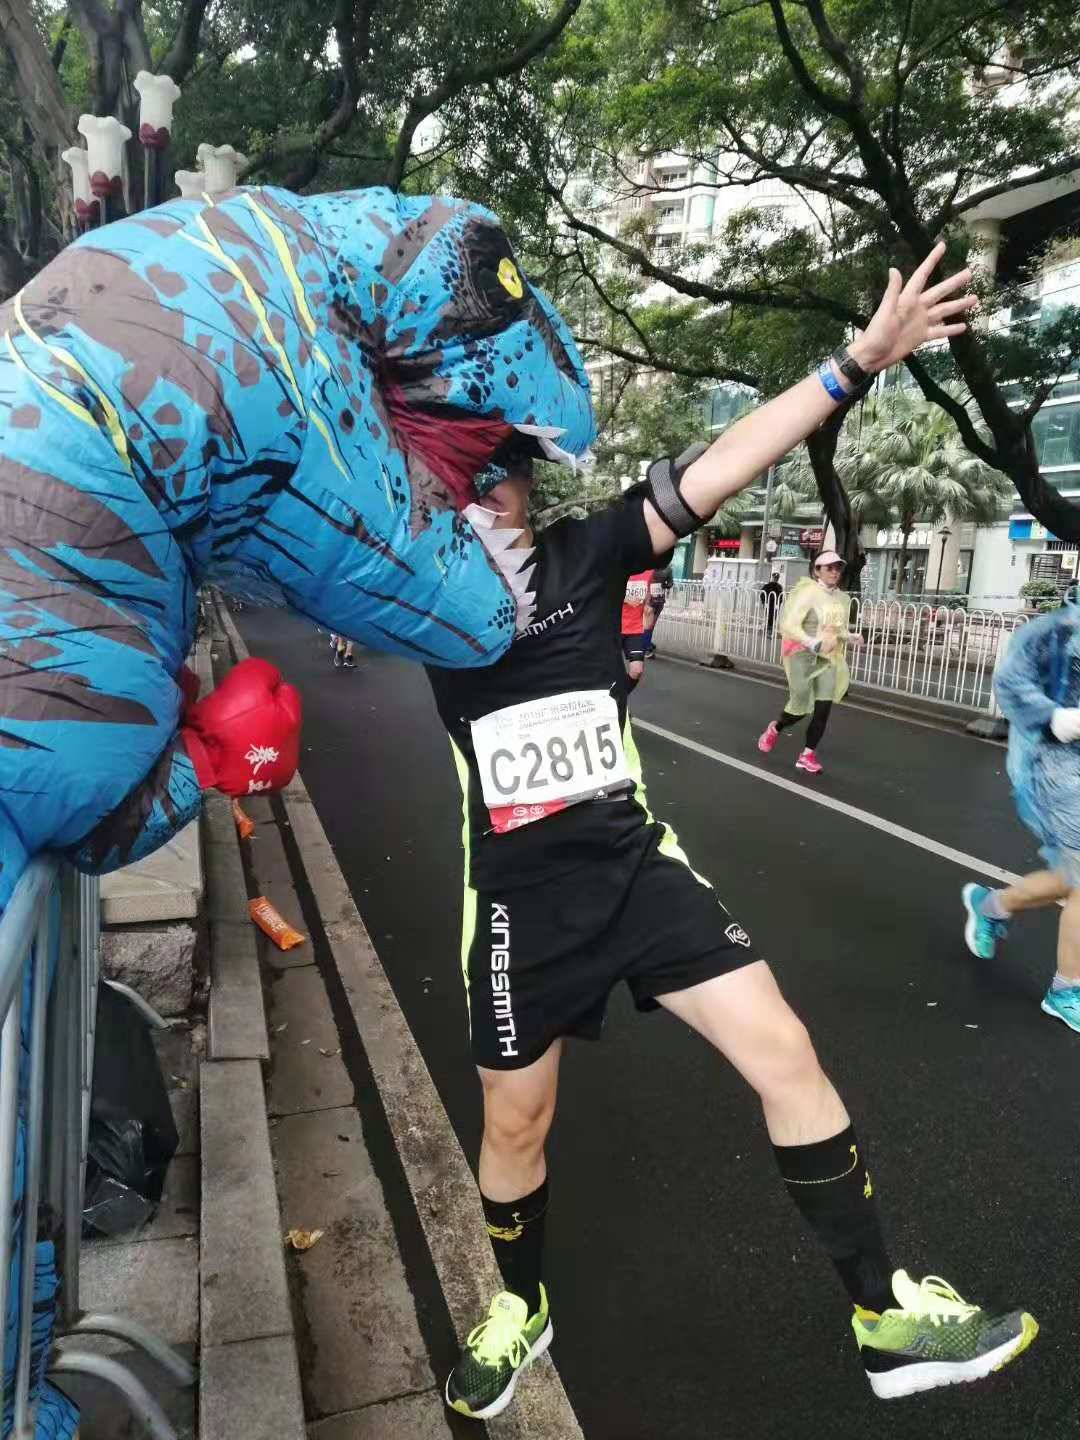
(832, 385)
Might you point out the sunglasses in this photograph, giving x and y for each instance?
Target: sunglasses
(832, 565)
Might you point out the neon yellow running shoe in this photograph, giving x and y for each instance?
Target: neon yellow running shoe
(482, 1383)
(934, 1338)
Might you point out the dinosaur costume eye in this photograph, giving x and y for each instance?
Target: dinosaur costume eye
(490, 291)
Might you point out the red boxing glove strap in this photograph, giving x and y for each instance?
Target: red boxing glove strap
(199, 756)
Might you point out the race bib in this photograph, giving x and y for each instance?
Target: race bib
(543, 755)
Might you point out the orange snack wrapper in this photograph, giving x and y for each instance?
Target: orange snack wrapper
(245, 826)
(270, 923)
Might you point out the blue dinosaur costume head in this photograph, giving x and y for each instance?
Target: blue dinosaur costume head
(291, 397)
(1039, 674)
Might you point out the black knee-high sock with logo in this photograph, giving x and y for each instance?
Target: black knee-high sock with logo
(830, 1183)
(516, 1229)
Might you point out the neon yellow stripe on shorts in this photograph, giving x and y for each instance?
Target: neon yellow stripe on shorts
(669, 843)
(468, 901)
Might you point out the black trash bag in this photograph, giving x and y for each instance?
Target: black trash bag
(132, 1133)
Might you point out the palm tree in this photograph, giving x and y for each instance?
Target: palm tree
(906, 463)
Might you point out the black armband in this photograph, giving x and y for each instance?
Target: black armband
(662, 481)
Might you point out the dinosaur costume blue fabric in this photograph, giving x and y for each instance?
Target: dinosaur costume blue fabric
(293, 398)
(290, 397)
(1040, 673)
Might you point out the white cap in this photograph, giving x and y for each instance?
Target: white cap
(828, 557)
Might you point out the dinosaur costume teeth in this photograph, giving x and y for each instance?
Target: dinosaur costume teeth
(258, 392)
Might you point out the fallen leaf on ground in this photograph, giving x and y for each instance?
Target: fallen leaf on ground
(329, 1053)
(303, 1239)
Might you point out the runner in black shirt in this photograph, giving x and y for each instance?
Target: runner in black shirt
(572, 887)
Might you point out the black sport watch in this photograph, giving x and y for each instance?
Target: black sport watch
(850, 368)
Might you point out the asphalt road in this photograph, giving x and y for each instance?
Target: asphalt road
(688, 1300)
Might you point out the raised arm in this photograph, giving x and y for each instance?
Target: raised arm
(908, 316)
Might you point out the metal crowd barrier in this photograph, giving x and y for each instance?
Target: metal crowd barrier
(932, 651)
(49, 942)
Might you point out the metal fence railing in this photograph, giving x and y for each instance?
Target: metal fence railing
(49, 938)
(936, 652)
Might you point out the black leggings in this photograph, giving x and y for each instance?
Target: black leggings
(816, 729)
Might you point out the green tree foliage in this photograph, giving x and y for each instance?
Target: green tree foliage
(898, 121)
(909, 465)
(420, 94)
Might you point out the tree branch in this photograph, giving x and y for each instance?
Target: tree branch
(650, 361)
(60, 44)
(37, 85)
(1007, 187)
(702, 290)
(835, 47)
(956, 409)
(352, 30)
(180, 56)
(836, 105)
(423, 105)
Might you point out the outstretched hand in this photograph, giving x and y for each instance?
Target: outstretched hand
(910, 314)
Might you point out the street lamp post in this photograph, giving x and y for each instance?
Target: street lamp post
(944, 533)
(221, 162)
(86, 207)
(105, 140)
(190, 183)
(765, 552)
(157, 96)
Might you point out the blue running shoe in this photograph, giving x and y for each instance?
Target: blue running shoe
(1064, 1005)
(981, 932)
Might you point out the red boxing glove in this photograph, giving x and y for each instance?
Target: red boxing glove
(244, 737)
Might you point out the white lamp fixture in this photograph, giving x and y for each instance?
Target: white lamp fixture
(105, 140)
(76, 158)
(190, 183)
(157, 96)
(221, 163)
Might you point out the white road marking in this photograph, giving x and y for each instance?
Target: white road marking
(877, 822)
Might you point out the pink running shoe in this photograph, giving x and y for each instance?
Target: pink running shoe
(768, 737)
(809, 762)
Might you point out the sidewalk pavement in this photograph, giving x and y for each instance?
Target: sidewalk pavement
(363, 1151)
(312, 1109)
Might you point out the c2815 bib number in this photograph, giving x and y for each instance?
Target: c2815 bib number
(540, 756)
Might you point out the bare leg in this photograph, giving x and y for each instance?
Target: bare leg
(519, 1106)
(1033, 892)
(748, 1020)
(1068, 953)
(818, 1153)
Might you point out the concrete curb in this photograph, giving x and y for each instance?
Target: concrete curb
(250, 1375)
(442, 1186)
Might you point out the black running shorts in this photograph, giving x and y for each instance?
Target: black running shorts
(540, 961)
(633, 647)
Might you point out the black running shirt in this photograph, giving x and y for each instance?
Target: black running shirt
(573, 644)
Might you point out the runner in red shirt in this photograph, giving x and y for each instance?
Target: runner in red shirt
(633, 625)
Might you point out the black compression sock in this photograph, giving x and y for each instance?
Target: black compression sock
(830, 1184)
(516, 1230)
